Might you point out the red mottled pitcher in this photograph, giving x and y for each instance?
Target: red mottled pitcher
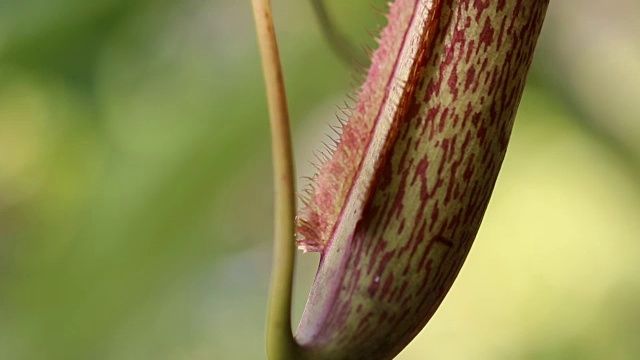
(395, 210)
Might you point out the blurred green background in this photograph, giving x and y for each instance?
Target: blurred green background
(135, 184)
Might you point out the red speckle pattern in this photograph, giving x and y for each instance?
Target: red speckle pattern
(433, 185)
(332, 185)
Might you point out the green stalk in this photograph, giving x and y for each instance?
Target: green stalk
(280, 342)
(341, 46)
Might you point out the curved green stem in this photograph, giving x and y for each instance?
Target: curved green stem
(280, 342)
(341, 46)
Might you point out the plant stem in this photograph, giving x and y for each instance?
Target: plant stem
(280, 342)
(340, 44)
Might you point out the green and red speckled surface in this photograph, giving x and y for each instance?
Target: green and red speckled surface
(396, 209)
(371, 129)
